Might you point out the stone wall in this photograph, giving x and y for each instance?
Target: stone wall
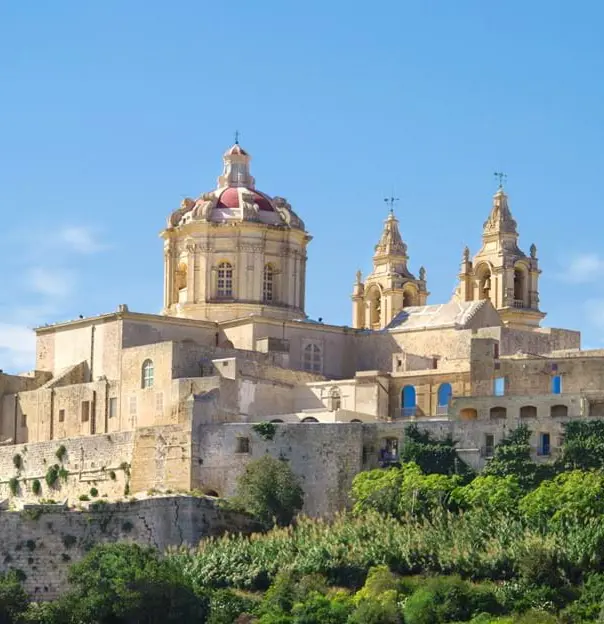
(43, 541)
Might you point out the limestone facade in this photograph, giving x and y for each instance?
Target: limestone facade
(171, 400)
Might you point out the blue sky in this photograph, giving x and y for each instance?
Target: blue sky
(111, 112)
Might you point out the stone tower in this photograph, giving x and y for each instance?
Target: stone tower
(390, 286)
(234, 251)
(501, 272)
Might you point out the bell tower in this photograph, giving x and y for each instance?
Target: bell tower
(390, 287)
(500, 271)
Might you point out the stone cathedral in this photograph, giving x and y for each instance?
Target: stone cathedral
(153, 402)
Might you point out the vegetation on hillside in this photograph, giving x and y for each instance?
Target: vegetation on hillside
(426, 542)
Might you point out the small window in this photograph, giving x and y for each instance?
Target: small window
(496, 350)
(434, 363)
(310, 419)
(312, 358)
(243, 445)
(556, 384)
(489, 445)
(24, 420)
(61, 415)
(112, 407)
(554, 367)
(544, 444)
(528, 411)
(159, 402)
(468, 413)
(132, 406)
(148, 373)
(85, 411)
(499, 386)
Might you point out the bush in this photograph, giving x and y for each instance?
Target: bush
(226, 606)
(63, 474)
(36, 487)
(129, 583)
(52, 474)
(265, 430)
(94, 492)
(18, 461)
(449, 599)
(84, 497)
(61, 452)
(13, 599)
(270, 490)
(13, 485)
(112, 475)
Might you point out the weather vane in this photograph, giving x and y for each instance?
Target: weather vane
(501, 176)
(236, 137)
(391, 201)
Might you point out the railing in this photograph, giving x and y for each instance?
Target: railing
(442, 410)
(519, 303)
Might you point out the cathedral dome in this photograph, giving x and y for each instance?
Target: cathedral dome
(236, 199)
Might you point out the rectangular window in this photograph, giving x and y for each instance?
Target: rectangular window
(132, 406)
(499, 386)
(61, 415)
(489, 445)
(24, 420)
(556, 384)
(159, 402)
(496, 350)
(544, 444)
(243, 445)
(112, 407)
(312, 358)
(85, 411)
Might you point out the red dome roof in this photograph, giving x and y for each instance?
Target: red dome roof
(230, 198)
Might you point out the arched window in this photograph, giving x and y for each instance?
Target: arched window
(147, 373)
(519, 287)
(310, 419)
(225, 280)
(558, 411)
(484, 282)
(407, 299)
(312, 360)
(468, 413)
(408, 401)
(445, 392)
(181, 276)
(335, 399)
(356, 420)
(528, 411)
(498, 412)
(375, 308)
(268, 284)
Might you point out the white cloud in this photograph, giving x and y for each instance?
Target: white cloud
(80, 239)
(55, 283)
(17, 347)
(583, 268)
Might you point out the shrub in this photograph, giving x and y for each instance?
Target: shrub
(36, 487)
(61, 452)
(30, 545)
(127, 526)
(63, 474)
(84, 497)
(52, 474)
(265, 430)
(18, 461)
(112, 475)
(13, 485)
(13, 599)
(94, 492)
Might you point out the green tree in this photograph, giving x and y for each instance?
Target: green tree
(125, 583)
(492, 493)
(270, 490)
(13, 599)
(583, 446)
(512, 458)
(320, 609)
(575, 496)
(377, 490)
(430, 454)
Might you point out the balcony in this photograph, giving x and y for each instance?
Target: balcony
(518, 303)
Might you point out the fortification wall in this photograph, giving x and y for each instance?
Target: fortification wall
(43, 541)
